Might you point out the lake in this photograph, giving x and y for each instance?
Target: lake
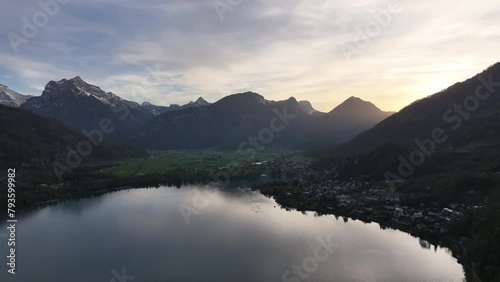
(201, 233)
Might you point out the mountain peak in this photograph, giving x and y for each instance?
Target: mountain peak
(75, 81)
(494, 66)
(248, 94)
(244, 98)
(355, 108)
(201, 102)
(11, 98)
(307, 107)
(420, 117)
(158, 110)
(77, 86)
(77, 78)
(355, 104)
(354, 99)
(78, 81)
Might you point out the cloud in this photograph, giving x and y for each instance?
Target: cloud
(278, 48)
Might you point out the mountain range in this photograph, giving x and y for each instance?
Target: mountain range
(199, 124)
(238, 118)
(82, 106)
(158, 110)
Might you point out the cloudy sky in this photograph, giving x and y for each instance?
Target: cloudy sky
(172, 51)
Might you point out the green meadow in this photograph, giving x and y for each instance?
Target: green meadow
(208, 160)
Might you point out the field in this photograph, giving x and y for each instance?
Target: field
(163, 161)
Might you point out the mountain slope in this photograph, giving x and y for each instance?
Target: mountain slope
(11, 98)
(225, 123)
(82, 106)
(33, 142)
(445, 110)
(348, 119)
(233, 119)
(358, 111)
(451, 132)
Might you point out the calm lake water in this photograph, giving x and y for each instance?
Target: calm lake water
(235, 236)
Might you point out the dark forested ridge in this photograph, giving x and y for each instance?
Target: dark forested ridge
(32, 142)
(455, 129)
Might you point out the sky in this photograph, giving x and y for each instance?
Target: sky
(172, 51)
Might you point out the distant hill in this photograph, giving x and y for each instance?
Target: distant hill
(11, 98)
(352, 117)
(158, 110)
(31, 142)
(357, 111)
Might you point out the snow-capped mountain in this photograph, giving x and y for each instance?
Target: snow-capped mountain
(199, 102)
(11, 98)
(83, 106)
(76, 86)
(158, 110)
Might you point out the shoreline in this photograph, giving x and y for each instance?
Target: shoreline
(322, 207)
(455, 244)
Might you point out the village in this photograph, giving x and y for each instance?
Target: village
(369, 201)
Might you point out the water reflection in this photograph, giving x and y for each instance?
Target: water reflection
(239, 235)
